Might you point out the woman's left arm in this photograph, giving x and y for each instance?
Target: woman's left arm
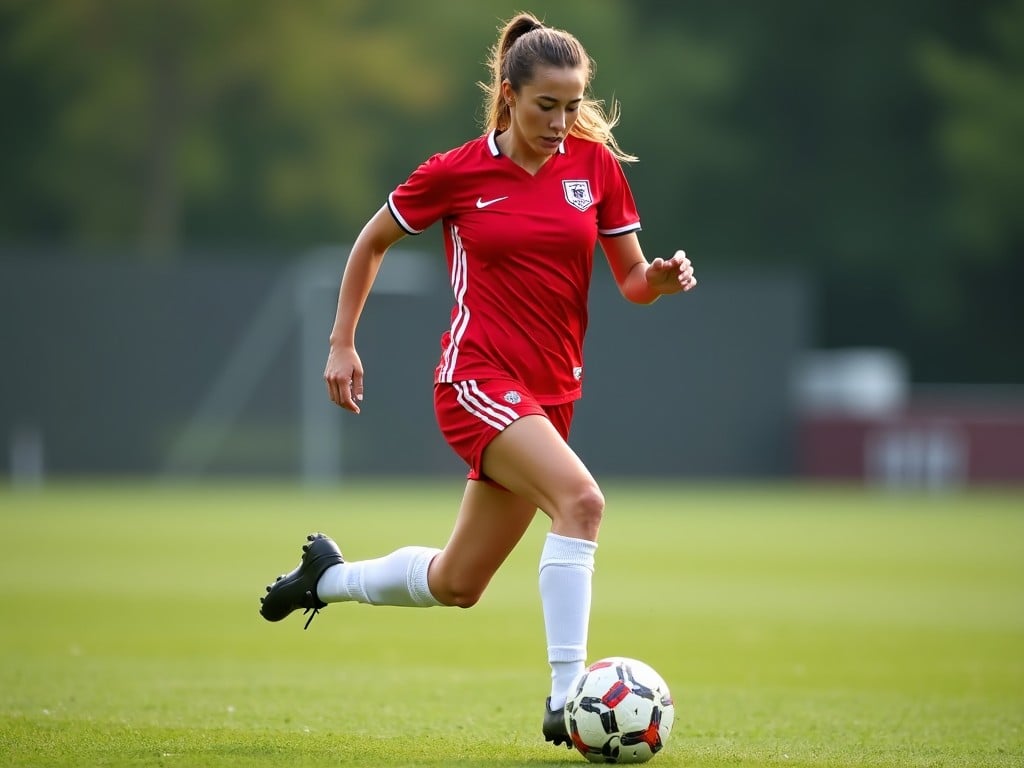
(642, 282)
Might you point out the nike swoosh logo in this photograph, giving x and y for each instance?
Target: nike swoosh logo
(481, 203)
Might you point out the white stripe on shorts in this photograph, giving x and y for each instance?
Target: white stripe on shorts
(483, 407)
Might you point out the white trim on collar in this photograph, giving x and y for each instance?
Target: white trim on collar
(492, 144)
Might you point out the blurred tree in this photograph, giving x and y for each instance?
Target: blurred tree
(154, 125)
(818, 156)
(874, 146)
(679, 89)
(981, 131)
(209, 118)
(979, 135)
(845, 184)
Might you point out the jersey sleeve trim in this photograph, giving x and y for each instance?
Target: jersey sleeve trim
(618, 231)
(400, 219)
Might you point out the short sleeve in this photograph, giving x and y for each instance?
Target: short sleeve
(617, 214)
(421, 199)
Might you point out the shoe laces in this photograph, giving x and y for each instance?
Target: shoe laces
(314, 610)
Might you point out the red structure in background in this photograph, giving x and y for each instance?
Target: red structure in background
(930, 441)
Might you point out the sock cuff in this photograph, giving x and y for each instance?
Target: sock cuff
(419, 589)
(564, 550)
(566, 653)
(352, 583)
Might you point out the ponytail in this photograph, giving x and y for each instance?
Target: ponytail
(524, 44)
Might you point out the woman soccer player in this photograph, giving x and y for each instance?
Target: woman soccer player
(522, 208)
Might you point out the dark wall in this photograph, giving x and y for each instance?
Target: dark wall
(114, 367)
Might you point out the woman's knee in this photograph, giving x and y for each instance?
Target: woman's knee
(454, 589)
(581, 512)
(457, 595)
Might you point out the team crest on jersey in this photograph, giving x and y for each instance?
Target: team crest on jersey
(577, 372)
(513, 398)
(577, 193)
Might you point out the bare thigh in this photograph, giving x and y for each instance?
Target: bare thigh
(490, 523)
(540, 470)
(532, 460)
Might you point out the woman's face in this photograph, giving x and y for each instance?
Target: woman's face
(545, 109)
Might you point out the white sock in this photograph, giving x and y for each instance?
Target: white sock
(566, 571)
(396, 579)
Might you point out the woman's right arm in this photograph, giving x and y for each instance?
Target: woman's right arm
(344, 371)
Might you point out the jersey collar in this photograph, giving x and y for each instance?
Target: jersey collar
(492, 145)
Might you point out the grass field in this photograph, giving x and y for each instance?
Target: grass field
(796, 626)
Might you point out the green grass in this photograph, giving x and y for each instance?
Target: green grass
(796, 627)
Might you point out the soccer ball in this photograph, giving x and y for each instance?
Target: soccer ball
(619, 711)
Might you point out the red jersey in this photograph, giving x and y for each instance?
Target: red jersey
(520, 251)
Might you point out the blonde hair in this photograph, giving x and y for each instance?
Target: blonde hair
(523, 45)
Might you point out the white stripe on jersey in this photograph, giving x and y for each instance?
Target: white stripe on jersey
(484, 408)
(619, 230)
(459, 279)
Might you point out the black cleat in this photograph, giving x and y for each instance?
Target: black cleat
(297, 589)
(554, 725)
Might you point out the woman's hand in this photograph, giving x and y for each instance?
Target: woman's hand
(344, 377)
(671, 275)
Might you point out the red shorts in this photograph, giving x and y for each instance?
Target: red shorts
(472, 413)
